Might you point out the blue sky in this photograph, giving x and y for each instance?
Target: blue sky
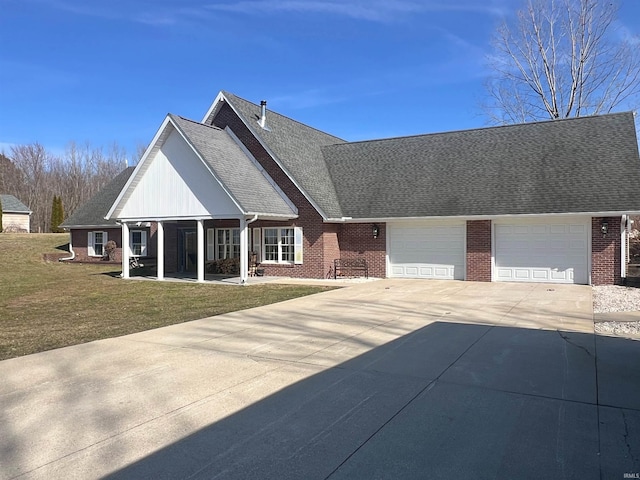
(101, 71)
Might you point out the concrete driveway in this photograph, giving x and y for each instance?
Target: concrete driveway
(386, 379)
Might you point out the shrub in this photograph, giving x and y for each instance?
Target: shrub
(228, 266)
(110, 250)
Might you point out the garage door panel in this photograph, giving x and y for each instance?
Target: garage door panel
(427, 251)
(536, 252)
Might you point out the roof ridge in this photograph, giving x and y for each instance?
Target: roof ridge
(226, 94)
(492, 127)
(194, 121)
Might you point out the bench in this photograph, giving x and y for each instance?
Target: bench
(348, 267)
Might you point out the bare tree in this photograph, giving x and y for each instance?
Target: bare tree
(34, 176)
(33, 161)
(562, 58)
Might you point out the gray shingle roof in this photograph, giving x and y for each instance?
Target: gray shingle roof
(92, 213)
(297, 148)
(587, 164)
(246, 183)
(11, 204)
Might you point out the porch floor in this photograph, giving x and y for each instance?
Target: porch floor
(235, 280)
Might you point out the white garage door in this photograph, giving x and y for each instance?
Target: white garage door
(427, 250)
(542, 251)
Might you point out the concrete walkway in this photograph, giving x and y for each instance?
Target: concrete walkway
(386, 379)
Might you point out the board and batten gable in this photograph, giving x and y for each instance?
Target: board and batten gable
(188, 189)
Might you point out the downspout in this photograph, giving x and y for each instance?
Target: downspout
(73, 254)
(623, 247)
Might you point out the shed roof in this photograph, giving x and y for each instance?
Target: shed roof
(11, 204)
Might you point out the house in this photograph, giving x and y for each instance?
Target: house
(90, 231)
(15, 214)
(537, 202)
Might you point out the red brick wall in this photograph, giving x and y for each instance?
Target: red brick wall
(479, 250)
(605, 252)
(331, 247)
(79, 239)
(356, 240)
(309, 219)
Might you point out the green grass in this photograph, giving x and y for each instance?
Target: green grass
(46, 305)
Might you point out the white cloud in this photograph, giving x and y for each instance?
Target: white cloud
(371, 10)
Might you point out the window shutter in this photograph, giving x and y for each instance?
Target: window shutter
(143, 240)
(211, 244)
(257, 243)
(90, 249)
(298, 239)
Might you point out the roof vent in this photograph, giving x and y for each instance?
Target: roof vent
(263, 114)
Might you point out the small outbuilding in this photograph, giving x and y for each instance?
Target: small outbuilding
(15, 215)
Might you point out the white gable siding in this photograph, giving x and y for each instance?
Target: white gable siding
(176, 184)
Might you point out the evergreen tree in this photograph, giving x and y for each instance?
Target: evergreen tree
(57, 214)
(0, 216)
(54, 205)
(60, 213)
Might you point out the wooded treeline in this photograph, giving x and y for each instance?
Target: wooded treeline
(35, 176)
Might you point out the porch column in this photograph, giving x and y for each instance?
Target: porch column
(125, 250)
(244, 251)
(160, 234)
(200, 250)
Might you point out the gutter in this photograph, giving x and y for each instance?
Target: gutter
(73, 254)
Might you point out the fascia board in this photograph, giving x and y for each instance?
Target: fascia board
(88, 227)
(484, 217)
(219, 98)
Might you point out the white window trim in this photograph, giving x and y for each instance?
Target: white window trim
(297, 246)
(217, 244)
(143, 241)
(211, 244)
(91, 244)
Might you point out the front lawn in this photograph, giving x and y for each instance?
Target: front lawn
(46, 305)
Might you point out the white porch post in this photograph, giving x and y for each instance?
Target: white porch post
(125, 250)
(200, 250)
(160, 234)
(244, 251)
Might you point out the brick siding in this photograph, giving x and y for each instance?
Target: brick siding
(479, 250)
(79, 243)
(356, 240)
(314, 262)
(605, 252)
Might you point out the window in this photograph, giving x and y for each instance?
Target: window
(95, 243)
(227, 243)
(138, 243)
(281, 245)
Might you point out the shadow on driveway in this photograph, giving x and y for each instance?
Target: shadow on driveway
(446, 401)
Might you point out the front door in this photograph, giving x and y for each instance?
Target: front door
(187, 250)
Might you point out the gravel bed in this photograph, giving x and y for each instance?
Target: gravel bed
(612, 298)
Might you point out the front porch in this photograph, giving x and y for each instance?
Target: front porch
(191, 176)
(186, 249)
(210, 278)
